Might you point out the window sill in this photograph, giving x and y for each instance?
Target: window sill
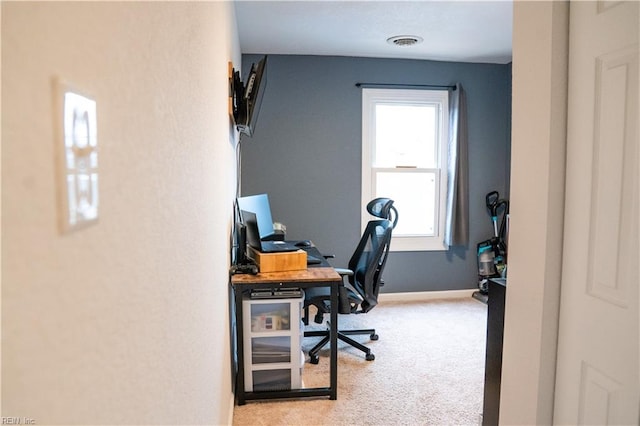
(418, 244)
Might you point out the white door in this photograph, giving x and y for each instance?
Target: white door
(598, 370)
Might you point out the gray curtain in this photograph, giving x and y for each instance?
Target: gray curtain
(456, 231)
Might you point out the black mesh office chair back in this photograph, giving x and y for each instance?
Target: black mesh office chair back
(368, 262)
(361, 282)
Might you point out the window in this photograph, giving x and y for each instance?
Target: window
(404, 157)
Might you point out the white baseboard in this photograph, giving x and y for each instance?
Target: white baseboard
(419, 296)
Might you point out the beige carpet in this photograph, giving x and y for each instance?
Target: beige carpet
(429, 370)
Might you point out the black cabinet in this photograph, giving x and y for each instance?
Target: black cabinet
(493, 361)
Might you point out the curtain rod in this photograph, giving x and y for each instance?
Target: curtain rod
(425, 86)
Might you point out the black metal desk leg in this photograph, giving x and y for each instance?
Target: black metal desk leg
(240, 400)
(333, 334)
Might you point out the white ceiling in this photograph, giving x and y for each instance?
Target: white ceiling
(461, 31)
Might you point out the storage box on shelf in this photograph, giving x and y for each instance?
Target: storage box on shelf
(272, 343)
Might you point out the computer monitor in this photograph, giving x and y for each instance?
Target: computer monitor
(259, 205)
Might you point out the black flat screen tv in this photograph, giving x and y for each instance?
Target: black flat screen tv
(251, 99)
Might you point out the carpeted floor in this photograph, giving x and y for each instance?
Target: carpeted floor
(429, 370)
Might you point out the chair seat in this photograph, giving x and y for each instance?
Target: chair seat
(317, 292)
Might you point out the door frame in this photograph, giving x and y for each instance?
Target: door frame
(540, 60)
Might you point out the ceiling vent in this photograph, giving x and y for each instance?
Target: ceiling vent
(404, 40)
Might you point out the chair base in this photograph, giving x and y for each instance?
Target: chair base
(344, 336)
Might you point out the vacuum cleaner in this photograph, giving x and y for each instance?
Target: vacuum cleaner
(492, 253)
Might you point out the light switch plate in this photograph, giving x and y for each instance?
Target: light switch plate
(78, 159)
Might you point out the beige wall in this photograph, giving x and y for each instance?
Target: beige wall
(540, 52)
(126, 321)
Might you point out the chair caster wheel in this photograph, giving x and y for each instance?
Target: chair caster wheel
(314, 359)
(374, 336)
(370, 357)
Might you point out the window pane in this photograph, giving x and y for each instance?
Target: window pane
(406, 135)
(414, 195)
(404, 147)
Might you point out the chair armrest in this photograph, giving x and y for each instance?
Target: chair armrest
(344, 272)
(329, 256)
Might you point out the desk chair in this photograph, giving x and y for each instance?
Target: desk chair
(360, 283)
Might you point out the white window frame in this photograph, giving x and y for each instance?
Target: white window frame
(371, 97)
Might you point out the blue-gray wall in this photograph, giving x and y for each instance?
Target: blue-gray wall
(306, 154)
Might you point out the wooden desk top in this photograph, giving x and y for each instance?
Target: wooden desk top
(304, 275)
